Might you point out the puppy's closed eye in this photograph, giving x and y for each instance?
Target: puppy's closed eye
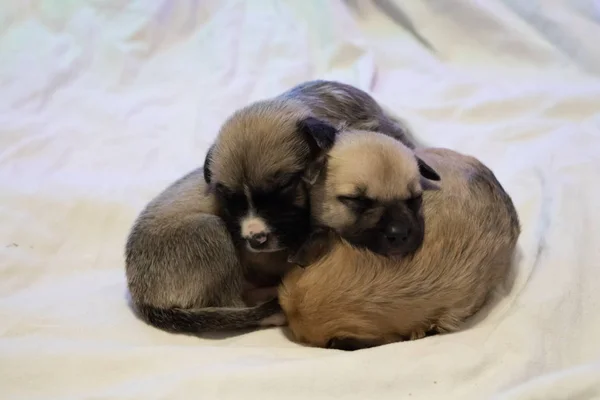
(290, 184)
(234, 202)
(357, 203)
(283, 182)
(222, 190)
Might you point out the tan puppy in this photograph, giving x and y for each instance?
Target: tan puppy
(351, 298)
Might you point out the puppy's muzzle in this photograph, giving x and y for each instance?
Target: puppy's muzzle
(400, 238)
(257, 234)
(401, 231)
(397, 234)
(258, 241)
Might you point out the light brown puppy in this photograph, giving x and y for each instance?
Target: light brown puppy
(351, 298)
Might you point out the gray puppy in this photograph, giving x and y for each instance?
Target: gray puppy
(196, 247)
(183, 272)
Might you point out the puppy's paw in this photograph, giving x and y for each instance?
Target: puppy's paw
(448, 323)
(418, 334)
(278, 319)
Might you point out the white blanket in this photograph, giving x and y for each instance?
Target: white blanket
(103, 103)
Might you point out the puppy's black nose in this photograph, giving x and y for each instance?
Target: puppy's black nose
(258, 241)
(397, 233)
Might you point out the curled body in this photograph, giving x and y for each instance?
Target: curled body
(182, 269)
(348, 297)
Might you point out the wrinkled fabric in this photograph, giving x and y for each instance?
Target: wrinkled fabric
(104, 103)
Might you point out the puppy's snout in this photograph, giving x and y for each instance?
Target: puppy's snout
(256, 233)
(397, 234)
(258, 241)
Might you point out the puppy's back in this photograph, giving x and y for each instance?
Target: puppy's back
(176, 234)
(472, 229)
(471, 209)
(336, 102)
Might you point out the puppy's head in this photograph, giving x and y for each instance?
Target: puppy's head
(371, 192)
(258, 166)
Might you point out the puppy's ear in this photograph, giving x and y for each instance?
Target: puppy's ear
(426, 171)
(320, 137)
(315, 247)
(207, 162)
(428, 176)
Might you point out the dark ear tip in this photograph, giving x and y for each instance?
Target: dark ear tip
(318, 132)
(427, 172)
(207, 175)
(309, 121)
(434, 177)
(206, 167)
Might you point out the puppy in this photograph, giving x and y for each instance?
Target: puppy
(351, 298)
(183, 273)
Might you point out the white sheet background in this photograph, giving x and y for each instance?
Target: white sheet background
(103, 103)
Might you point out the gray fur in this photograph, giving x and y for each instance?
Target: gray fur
(346, 106)
(181, 264)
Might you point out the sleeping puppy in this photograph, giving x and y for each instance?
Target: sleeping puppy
(371, 193)
(215, 243)
(351, 298)
(183, 273)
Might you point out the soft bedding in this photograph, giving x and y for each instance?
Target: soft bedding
(103, 103)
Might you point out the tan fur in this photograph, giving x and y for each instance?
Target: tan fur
(258, 141)
(386, 169)
(262, 139)
(471, 230)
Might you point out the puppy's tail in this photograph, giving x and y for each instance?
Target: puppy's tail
(212, 319)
